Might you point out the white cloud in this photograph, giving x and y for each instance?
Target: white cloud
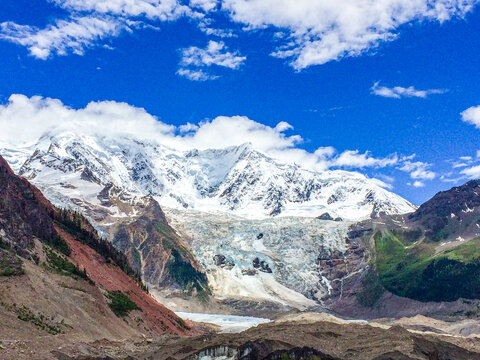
(196, 75)
(418, 170)
(472, 172)
(322, 31)
(283, 126)
(24, 120)
(418, 184)
(152, 9)
(221, 33)
(472, 116)
(398, 92)
(463, 161)
(355, 159)
(185, 128)
(313, 31)
(89, 22)
(216, 53)
(65, 36)
(205, 5)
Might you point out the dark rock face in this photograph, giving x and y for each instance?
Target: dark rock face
(451, 213)
(343, 270)
(328, 217)
(24, 212)
(88, 175)
(325, 216)
(154, 249)
(261, 265)
(219, 260)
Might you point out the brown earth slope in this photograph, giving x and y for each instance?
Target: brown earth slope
(57, 278)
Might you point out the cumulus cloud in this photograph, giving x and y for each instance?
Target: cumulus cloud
(418, 184)
(472, 116)
(321, 31)
(313, 32)
(206, 5)
(398, 92)
(24, 120)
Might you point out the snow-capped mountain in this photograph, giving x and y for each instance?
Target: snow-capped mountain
(238, 180)
(245, 220)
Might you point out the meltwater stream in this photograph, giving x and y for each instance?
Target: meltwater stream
(227, 323)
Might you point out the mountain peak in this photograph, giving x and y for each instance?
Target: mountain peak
(237, 179)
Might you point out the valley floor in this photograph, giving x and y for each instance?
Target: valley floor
(322, 335)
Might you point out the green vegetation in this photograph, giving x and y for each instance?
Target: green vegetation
(136, 257)
(78, 226)
(10, 264)
(182, 323)
(61, 265)
(67, 286)
(187, 276)
(372, 289)
(468, 252)
(407, 237)
(41, 321)
(59, 244)
(3, 244)
(163, 229)
(417, 272)
(120, 303)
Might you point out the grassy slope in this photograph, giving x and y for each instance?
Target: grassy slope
(415, 271)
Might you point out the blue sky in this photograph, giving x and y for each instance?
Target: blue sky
(387, 88)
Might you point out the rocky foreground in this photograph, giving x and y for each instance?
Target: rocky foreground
(306, 336)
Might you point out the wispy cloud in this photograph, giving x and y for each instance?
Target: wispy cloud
(216, 53)
(73, 35)
(162, 10)
(398, 92)
(90, 22)
(472, 172)
(418, 170)
(196, 75)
